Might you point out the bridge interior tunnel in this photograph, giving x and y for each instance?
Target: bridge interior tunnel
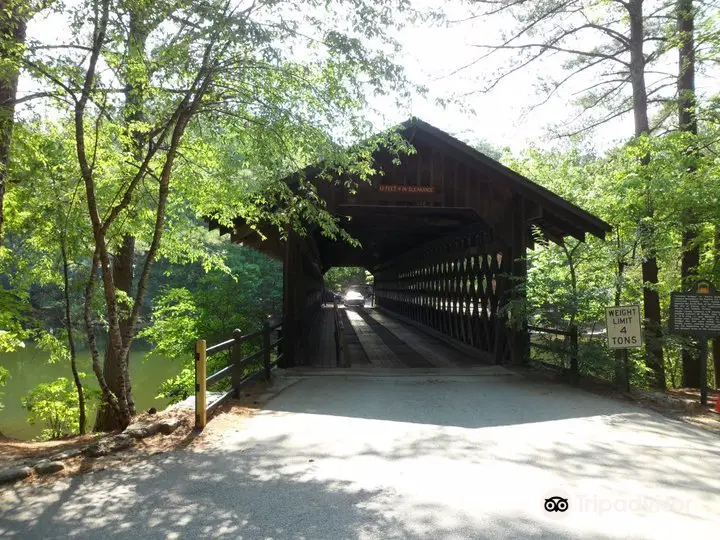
(433, 266)
(444, 234)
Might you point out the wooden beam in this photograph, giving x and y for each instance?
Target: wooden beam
(562, 225)
(519, 337)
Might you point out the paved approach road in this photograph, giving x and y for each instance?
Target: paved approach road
(385, 457)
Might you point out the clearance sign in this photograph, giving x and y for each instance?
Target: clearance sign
(623, 327)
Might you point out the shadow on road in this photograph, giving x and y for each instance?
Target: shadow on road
(263, 492)
(336, 458)
(468, 402)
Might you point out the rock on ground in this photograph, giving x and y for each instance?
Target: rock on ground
(140, 430)
(13, 474)
(110, 445)
(48, 467)
(169, 425)
(67, 454)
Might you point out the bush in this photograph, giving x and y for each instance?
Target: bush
(4, 374)
(55, 405)
(182, 386)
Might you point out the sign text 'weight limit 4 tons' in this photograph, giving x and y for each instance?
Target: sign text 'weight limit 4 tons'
(623, 327)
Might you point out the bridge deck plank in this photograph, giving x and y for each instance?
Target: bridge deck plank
(378, 353)
(435, 351)
(377, 340)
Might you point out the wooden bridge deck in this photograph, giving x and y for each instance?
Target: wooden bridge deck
(375, 339)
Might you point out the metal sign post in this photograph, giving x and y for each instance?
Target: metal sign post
(624, 332)
(697, 313)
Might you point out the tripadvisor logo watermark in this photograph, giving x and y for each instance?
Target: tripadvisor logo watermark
(559, 503)
(605, 505)
(556, 504)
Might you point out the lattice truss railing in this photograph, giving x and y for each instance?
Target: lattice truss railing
(456, 288)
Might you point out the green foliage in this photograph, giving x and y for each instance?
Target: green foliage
(4, 375)
(58, 350)
(174, 326)
(55, 406)
(13, 313)
(182, 386)
(163, 125)
(616, 187)
(195, 304)
(338, 279)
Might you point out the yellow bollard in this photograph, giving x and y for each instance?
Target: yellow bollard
(200, 384)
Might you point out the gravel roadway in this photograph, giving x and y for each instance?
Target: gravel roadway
(403, 454)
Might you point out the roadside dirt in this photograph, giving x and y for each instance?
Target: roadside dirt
(227, 417)
(14, 450)
(679, 404)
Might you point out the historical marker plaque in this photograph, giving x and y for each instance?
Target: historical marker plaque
(696, 313)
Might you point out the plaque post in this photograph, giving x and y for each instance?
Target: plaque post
(697, 313)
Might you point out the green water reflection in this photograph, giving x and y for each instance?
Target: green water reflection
(28, 367)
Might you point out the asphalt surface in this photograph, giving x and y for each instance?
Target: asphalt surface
(429, 456)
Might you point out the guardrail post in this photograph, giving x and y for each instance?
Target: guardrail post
(236, 355)
(574, 372)
(200, 384)
(266, 348)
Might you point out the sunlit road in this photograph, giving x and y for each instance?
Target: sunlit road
(439, 456)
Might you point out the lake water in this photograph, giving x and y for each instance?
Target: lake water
(29, 367)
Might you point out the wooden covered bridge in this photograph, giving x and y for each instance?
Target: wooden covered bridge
(444, 234)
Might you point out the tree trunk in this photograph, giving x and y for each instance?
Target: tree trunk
(123, 261)
(651, 299)
(71, 339)
(619, 355)
(13, 25)
(687, 121)
(716, 341)
(122, 269)
(691, 375)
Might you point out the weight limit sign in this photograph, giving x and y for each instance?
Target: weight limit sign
(623, 327)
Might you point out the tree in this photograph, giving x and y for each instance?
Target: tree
(687, 122)
(339, 278)
(54, 405)
(605, 185)
(716, 272)
(605, 42)
(13, 24)
(3, 382)
(223, 93)
(192, 302)
(48, 236)
(14, 17)
(134, 77)
(489, 149)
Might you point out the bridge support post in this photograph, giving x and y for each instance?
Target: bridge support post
(289, 304)
(519, 336)
(302, 298)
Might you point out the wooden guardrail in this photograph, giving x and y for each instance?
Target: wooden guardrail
(237, 368)
(572, 334)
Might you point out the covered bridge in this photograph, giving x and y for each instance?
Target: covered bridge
(444, 234)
